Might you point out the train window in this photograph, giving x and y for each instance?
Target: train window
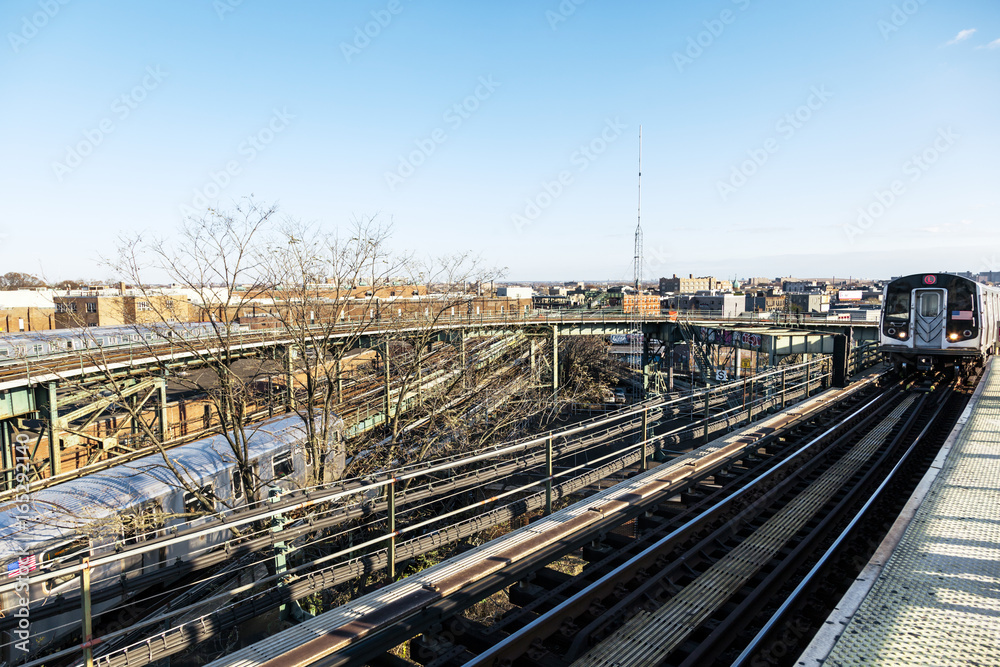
(38, 349)
(930, 304)
(961, 296)
(897, 303)
(283, 466)
(62, 556)
(237, 481)
(142, 525)
(193, 505)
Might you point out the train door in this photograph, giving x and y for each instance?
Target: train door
(929, 307)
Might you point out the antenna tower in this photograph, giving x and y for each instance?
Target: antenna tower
(636, 346)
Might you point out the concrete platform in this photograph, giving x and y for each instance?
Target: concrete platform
(931, 593)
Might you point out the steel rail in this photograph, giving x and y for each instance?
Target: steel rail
(513, 640)
(234, 520)
(793, 598)
(420, 545)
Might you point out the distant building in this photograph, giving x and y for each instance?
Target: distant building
(726, 305)
(643, 304)
(761, 302)
(515, 292)
(26, 310)
(690, 285)
(808, 303)
(102, 308)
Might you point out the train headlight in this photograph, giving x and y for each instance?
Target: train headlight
(953, 336)
(967, 333)
(902, 335)
(892, 332)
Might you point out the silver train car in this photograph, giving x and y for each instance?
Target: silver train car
(34, 345)
(935, 321)
(132, 503)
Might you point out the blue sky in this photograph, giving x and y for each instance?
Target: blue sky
(781, 138)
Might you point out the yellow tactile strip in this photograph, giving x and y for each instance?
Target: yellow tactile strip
(937, 602)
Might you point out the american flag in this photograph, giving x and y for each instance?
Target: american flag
(961, 314)
(27, 563)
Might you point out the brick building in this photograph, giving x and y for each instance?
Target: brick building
(102, 308)
(690, 285)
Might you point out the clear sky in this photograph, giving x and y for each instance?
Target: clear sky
(857, 137)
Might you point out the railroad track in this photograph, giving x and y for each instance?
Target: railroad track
(714, 580)
(310, 580)
(416, 604)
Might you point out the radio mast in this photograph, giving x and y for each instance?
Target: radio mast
(636, 347)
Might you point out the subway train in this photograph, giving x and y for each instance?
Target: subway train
(33, 345)
(937, 321)
(133, 503)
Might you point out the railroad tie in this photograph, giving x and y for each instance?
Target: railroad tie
(648, 639)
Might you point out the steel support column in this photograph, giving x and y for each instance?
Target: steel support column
(391, 509)
(555, 362)
(88, 651)
(162, 390)
(55, 456)
(645, 440)
(548, 476)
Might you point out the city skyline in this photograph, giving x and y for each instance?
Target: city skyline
(849, 139)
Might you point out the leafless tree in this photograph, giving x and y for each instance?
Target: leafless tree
(325, 289)
(215, 260)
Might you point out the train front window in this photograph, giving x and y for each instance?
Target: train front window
(929, 304)
(960, 296)
(64, 556)
(897, 303)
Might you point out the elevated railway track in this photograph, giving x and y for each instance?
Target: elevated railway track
(629, 437)
(720, 534)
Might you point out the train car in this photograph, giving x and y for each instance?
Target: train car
(36, 345)
(136, 502)
(936, 321)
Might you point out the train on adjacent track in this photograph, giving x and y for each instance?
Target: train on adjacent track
(34, 345)
(133, 503)
(939, 321)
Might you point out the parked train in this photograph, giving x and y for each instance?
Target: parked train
(133, 503)
(934, 321)
(38, 344)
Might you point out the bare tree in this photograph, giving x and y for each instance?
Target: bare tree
(13, 280)
(214, 259)
(325, 291)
